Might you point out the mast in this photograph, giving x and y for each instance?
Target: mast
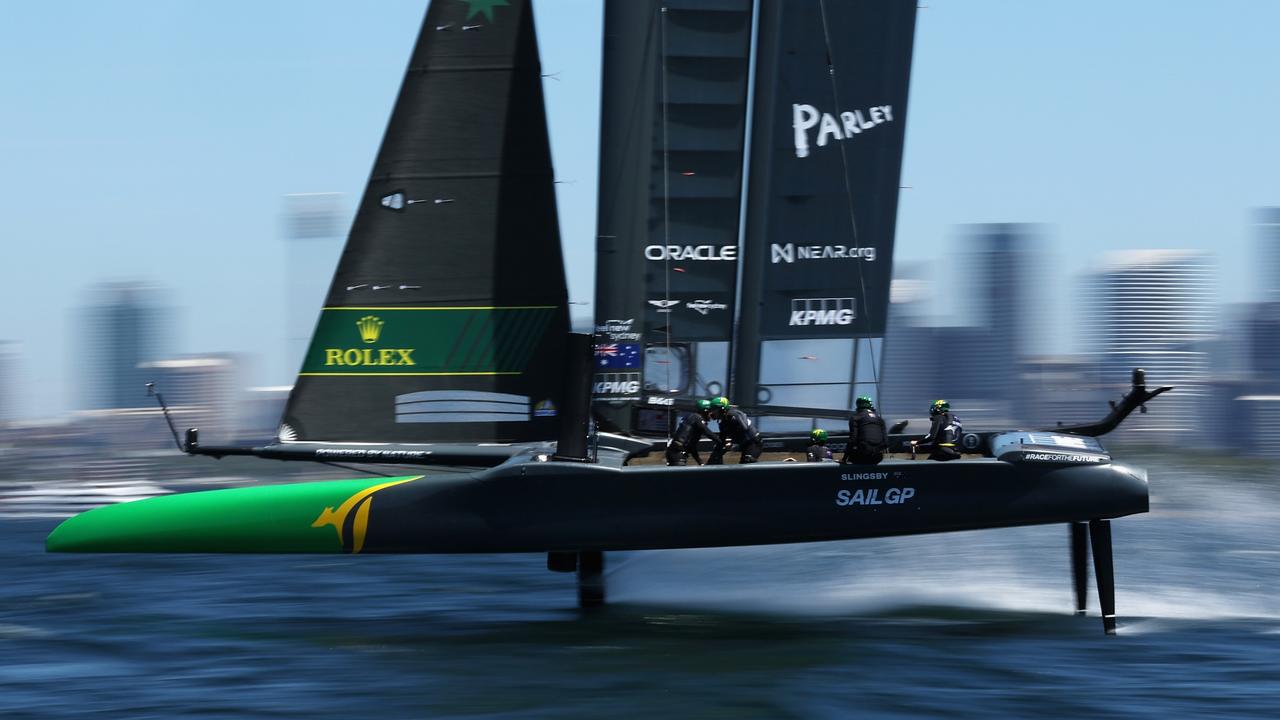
(827, 133)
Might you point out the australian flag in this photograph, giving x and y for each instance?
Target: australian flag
(615, 356)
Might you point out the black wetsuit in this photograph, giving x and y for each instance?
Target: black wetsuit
(868, 438)
(817, 452)
(944, 434)
(735, 426)
(684, 441)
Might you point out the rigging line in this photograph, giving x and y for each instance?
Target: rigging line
(666, 204)
(744, 186)
(853, 220)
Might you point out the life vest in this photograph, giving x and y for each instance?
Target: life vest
(691, 427)
(736, 426)
(949, 434)
(818, 453)
(870, 432)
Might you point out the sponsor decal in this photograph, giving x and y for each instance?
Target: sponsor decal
(822, 311)
(664, 306)
(358, 504)
(461, 406)
(1061, 457)
(691, 252)
(617, 386)
(791, 253)
(618, 330)
(366, 356)
(616, 356)
(370, 454)
(398, 202)
(866, 476)
(704, 307)
(438, 341)
(482, 7)
(872, 496)
(807, 117)
(546, 408)
(659, 400)
(394, 201)
(370, 329)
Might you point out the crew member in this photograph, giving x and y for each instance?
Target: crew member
(868, 438)
(818, 450)
(692, 427)
(944, 433)
(735, 427)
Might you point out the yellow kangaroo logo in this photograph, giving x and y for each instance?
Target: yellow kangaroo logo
(359, 502)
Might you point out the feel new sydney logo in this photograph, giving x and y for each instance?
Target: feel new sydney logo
(369, 329)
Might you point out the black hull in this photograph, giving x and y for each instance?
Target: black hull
(541, 507)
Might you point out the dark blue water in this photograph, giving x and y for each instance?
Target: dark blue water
(963, 625)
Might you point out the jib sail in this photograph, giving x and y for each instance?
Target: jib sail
(671, 154)
(447, 315)
(828, 125)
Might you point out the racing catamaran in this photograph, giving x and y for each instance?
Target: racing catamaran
(444, 340)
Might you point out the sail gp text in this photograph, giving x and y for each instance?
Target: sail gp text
(872, 496)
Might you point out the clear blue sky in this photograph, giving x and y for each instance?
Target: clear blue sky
(155, 139)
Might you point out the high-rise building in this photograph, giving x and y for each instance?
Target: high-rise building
(1153, 309)
(1256, 419)
(974, 365)
(205, 387)
(908, 376)
(122, 328)
(260, 411)
(314, 236)
(1267, 227)
(1262, 345)
(8, 381)
(1000, 267)
(1059, 390)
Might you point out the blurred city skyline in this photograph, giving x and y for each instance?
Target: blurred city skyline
(155, 143)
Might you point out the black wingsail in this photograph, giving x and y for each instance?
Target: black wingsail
(826, 155)
(448, 311)
(673, 119)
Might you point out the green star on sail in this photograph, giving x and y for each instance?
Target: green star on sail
(485, 7)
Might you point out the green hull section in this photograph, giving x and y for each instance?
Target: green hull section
(314, 517)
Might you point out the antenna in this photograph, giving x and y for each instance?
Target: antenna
(151, 390)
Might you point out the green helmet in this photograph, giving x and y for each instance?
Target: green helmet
(704, 406)
(939, 407)
(865, 402)
(818, 435)
(720, 403)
